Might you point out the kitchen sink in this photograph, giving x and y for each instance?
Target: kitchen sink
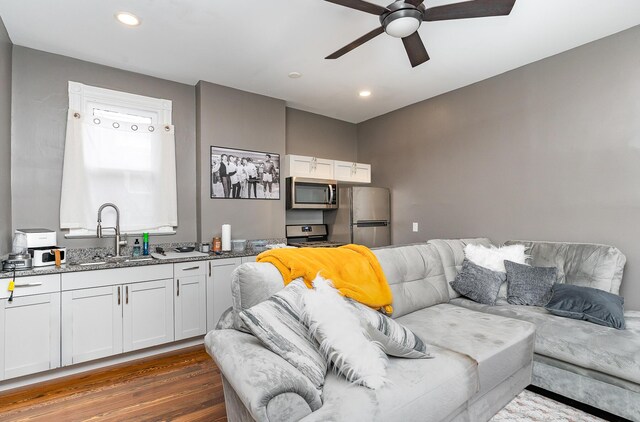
(114, 260)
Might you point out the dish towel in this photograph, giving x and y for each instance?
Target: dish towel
(353, 269)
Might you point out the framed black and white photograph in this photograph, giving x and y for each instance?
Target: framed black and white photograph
(242, 174)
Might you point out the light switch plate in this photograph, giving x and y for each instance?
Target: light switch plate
(415, 227)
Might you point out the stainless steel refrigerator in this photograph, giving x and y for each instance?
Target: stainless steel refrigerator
(363, 216)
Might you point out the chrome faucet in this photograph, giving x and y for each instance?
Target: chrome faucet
(119, 243)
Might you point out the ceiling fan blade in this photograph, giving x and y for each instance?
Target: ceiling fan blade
(414, 2)
(415, 49)
(357, 43)
(361, 5)
(469, 9)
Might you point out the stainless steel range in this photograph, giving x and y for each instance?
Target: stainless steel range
(310, 236)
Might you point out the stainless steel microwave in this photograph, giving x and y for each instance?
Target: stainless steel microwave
(311, 194)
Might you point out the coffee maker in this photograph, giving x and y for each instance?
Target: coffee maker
(42, 248)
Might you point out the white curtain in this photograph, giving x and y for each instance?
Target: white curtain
(132, 165)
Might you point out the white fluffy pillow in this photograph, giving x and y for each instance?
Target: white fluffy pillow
(493, 258)
(342, 336)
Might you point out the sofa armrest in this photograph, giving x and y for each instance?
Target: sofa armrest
(261, 378)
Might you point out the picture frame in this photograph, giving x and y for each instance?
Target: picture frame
(244, 174)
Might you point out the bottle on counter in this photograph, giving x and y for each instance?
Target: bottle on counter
(217, 245)
(145, 243)
(136, 248)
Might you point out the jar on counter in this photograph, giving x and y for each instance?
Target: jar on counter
(217, 245)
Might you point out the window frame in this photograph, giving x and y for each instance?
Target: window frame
(85, 98)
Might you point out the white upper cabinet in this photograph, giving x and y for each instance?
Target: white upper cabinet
(345, 171)
(312, 167)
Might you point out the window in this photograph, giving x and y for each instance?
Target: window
(120, 148)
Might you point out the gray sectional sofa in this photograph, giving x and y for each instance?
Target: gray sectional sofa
(484, 356)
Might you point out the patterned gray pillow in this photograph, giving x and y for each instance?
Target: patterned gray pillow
(396, 339)
(531, 286)
(478, 283)
(277, 323)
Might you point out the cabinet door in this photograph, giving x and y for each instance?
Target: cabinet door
(147, 314)
(352, 172)
(251, 258)
(219, 289)
(190, 305)
(301, 166)
(30, 337)
(91, 324)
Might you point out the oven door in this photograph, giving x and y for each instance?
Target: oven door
(311, 194)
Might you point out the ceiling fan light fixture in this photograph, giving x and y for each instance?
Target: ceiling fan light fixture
(402, 23)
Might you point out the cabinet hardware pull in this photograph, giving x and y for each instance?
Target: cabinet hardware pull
(209, 268)
(28, 284)
(126, 295)
(118, 295)
(190, 268)
(178, 286)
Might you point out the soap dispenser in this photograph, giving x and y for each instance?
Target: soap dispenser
(136, 248)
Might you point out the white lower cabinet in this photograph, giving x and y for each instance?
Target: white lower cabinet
(91, 324)
(219, 296)
(30, 338)
(107, 312)
(190, 299)
(147, 314)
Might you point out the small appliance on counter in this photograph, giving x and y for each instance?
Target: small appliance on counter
(17, 262)
(309, 236)
(41, 247)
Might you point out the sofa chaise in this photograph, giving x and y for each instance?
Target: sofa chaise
(483, 357)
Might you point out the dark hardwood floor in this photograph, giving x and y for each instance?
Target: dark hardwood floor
(184, 385)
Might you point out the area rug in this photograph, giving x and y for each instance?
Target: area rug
(532, 407)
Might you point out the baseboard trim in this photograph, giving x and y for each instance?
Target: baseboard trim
(97, 364)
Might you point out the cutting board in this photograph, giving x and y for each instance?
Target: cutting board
(179, 255)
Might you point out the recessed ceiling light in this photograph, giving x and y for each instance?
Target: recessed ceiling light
(127, 19)
(295, 75)
(365, 93)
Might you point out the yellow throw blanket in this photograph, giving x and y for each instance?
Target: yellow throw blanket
(353, 269)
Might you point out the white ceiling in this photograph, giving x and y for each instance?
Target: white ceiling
(252, 45)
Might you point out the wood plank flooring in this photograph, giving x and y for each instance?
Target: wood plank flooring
(184, 385)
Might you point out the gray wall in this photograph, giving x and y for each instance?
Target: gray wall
(5, 140)
(228, 117)
(319, 136)
(550, 151)
(40, 103)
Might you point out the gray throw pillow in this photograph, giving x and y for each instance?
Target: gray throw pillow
(396, 339)
(530, 286)
(478, 283)
(278, 324)
(588, 304)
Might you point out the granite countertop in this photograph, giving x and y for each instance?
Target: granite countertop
(81, 256)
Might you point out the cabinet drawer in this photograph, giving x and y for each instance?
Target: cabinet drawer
(186, 269)
(32, 285)
(111, 277)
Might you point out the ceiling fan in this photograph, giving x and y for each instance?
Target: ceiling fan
(402, 18)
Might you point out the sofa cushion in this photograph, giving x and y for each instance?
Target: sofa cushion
(501, 346)
(581, 264)
(277, 322)
(451, 253)
(252, 283)
(434, 387)
(591, 346)
(478, 283)
(415, 275)
(593, 305)
(531, 286)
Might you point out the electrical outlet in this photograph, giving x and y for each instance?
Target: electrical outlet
(415, 227)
